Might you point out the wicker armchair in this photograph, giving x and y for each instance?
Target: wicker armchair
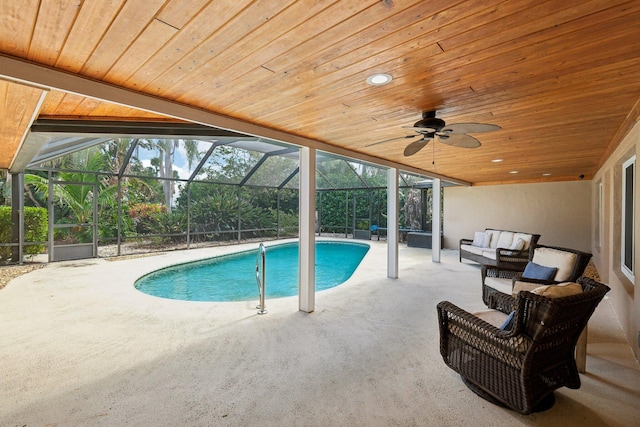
(491, 275)
(519, 368)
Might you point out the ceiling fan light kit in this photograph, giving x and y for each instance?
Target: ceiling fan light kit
(433, 128)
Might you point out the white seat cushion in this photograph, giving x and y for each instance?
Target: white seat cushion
(562, 260)
(493, 317)
(489, 253)
(473, 249)
(501, 285)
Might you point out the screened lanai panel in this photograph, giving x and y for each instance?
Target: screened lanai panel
(411, 180)
(273, 171)
(168, 157)
(335, 172)
(228, 165)
(96, 155)
(372, 176)
(294, 182)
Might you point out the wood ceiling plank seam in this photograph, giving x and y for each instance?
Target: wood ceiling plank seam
(627, 124)
(238, 61)
(150, 41)
(528, 19)
(467, 70)
(94, 19)
(376, 38)
(308, 54)
(503, 104)
(51, 102)
(179, 13)
(4, 100)
(346, 76)
(364, 42)
(15, 18)
(69, 103)
(328, 42)
(277, 48)
(551, 53)
(123, 31)
(85, 107)
(565, 93)
(195, 35)
(496, 75)
(260, 83)
(51, 30)
(269, 79)
(201, 62)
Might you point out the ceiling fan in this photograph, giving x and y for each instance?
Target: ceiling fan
(430, 128)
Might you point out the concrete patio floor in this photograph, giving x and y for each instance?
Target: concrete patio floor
(81, 347)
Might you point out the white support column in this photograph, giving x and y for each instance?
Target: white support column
(392, 223)
(436, 220)
(307, 254)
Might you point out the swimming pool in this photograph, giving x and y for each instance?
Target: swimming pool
(232, 277)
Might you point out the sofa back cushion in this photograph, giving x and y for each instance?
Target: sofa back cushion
(495, 235)
(564, 261)
(505, 239)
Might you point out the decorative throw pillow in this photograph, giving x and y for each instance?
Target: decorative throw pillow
(558, 291)
(478, 239)
(517, 245)
(536, 271)
(508, 322)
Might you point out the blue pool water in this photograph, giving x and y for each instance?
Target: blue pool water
(233, 277)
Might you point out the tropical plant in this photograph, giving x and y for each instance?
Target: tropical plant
(74, 202)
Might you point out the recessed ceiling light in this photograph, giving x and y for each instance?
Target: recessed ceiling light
(379, 79)
(513, 172)
(546, 174)
(496, 160)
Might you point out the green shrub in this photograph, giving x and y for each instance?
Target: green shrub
(146, 217)
(36, 225)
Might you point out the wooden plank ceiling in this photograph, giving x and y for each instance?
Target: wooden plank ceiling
(561, 77)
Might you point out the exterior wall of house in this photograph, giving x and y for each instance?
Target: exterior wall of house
(558, 211)
(606, 232)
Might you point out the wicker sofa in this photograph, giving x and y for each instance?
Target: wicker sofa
(499, 248)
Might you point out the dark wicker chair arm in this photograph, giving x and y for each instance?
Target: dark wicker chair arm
(499, 272)
(497, 300)
(466, 241)
(456, 323)
(510, 253)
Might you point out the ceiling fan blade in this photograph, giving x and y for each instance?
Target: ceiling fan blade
(462, 128)
(420, 129)
(459, 140)
(415, 146)
(392, 139)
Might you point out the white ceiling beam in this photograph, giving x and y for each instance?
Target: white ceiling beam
(33, 74)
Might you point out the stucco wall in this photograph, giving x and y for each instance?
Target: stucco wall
(560, 212)
(606, 253)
